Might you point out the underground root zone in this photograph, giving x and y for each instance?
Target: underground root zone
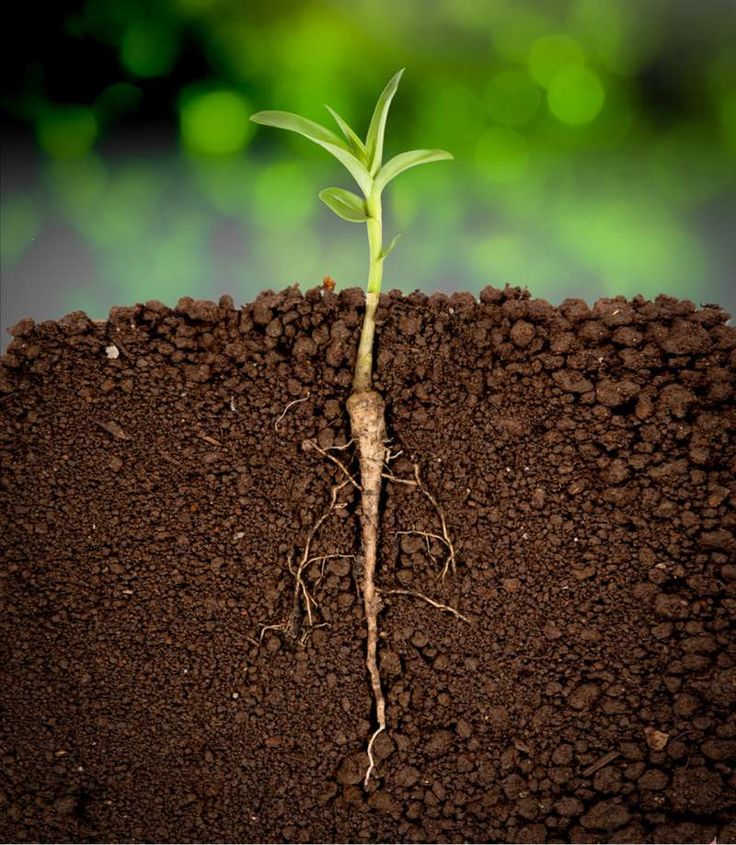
(162, 472)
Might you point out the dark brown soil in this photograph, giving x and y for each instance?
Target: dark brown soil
(584, 459)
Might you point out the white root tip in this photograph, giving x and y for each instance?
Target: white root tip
(371, 762)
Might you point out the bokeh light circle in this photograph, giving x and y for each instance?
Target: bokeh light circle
(67, 131)
(149, 49)
(575, 96)
(215, 122)
(551, 54)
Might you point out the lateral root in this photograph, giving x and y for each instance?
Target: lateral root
(303, 602)
(438, 605)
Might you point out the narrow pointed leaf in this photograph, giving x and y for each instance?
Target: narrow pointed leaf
(403, 161)
(296, 123)
(377, 128)
(352, 138)
(390, 247)
(345, 204)
(319, 135)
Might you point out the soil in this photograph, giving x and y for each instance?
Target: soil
(584, 460)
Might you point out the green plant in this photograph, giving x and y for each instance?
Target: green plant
(365, 406)
(364, 161)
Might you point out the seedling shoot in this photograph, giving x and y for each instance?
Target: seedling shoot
(363, 159)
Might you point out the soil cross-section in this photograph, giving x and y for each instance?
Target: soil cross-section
(158, 485)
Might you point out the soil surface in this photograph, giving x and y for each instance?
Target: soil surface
(155, 484)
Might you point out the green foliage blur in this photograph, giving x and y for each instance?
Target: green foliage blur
(594, 145)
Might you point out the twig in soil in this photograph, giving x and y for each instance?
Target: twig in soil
(111, 427)
(167, 457)
(601, 762)
(211, 440)
(434, 603)
(290, 405)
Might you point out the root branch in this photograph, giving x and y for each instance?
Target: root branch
(294, 627)
(450, 562)
(444, 538)
(325, 454)
(286, 409)
(371, 762)
(434, 603)
(300, 588)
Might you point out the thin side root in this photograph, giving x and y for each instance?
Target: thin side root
(265, 628)
(302, 597)
(323, 560)
(450, 562)
(309, 631)
(389, 476)
(434, 603)
(371, 762)
(299, 585)
(340, 464)
(290, 405)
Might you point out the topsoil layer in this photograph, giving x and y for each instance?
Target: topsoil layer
(584, 460)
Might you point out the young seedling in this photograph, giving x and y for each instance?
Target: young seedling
(366, 408)
(364, 162)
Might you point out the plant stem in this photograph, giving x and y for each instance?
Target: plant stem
(366, 409)
(375, 243)
(363, 378)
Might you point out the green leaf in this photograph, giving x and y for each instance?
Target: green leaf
(345, 204)
(403, 161)
(377, 128)
(319, 135)
(389, 248)
(353, 139)
(296, 123)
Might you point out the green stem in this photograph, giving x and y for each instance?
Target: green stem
(363, 378)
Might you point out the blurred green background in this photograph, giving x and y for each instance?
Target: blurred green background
(595, 143)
